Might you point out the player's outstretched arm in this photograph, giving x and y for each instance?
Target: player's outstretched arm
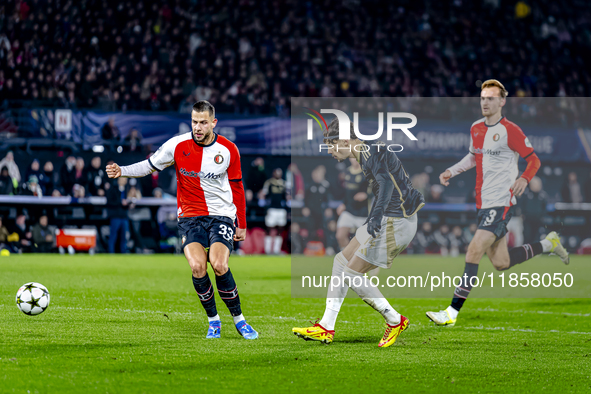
(444, 177)
(113, 170)
(467, 163)
(136, 170)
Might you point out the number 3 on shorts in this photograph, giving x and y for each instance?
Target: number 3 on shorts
(491, 217)
(227, 232)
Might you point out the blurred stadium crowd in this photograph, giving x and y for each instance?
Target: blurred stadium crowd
(250, 56)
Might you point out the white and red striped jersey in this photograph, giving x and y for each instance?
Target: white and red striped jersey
(497, 149)
(209, 177)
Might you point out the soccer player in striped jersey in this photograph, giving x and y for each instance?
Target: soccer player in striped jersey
(210, 197)
(495, 147)
(390, 228)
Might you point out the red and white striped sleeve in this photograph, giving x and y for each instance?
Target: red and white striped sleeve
(235, 178)
(518, 142)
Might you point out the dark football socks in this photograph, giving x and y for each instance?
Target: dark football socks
(523, 253)
(205, 292)
(229, 292)
(463, 290)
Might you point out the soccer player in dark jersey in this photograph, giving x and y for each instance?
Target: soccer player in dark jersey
(276, 218)
(390, 228)
(210, 198)
(354, 210)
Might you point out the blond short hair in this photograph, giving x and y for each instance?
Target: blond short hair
(491, 83)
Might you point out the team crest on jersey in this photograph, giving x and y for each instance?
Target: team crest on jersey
(496, 137)
(219, 159)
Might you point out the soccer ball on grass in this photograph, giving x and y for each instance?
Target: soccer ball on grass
(32, 298)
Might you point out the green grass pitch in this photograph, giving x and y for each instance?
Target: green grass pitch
(133, 324)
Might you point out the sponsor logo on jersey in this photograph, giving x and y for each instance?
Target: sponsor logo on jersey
(219, 159)
(496, 137)
(186, 154)
(200, 174)
(487, 152)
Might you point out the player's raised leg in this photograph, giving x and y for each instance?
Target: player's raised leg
(197, 258)
(219, 255)
(504, 258)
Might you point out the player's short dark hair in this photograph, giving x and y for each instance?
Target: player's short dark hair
(204, 105)
(331, 135)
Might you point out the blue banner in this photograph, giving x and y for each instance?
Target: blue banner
(280, 136)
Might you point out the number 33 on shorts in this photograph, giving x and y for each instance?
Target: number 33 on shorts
(227, 232)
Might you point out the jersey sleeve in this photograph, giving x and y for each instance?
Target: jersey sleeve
(471, 146)
(234, 169)
(518, 142)
(378, 166)
(164, 156)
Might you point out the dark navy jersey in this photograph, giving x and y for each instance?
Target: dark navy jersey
(275, 189)
(355, 182)
(379, 165)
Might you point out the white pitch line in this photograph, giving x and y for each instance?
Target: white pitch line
(536, 312)
(523, 330)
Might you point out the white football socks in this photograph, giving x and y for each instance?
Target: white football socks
(453, 312)
(277, 242)
(210, 319)
(546, 245)
(268, 244)
(336, 295)
(238, 319)
(372, 296)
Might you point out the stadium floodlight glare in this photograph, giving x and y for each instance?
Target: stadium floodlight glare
(98, 148)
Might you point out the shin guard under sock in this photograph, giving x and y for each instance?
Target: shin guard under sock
(205, 292)
(229, 292)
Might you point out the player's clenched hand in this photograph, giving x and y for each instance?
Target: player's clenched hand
(113, 170)
(240, 234)
(374, 226)
(444, 177)
(519, 187)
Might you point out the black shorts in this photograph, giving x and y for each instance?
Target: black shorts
(207, 230)
(495, 220)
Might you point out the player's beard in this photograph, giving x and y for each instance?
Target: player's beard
(205, 136)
